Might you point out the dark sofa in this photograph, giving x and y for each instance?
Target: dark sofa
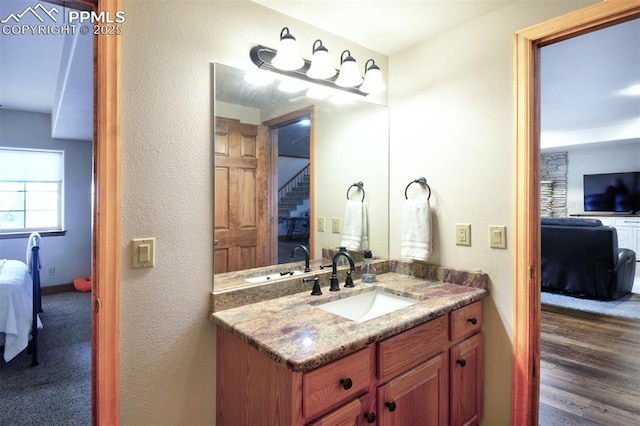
(581, 257)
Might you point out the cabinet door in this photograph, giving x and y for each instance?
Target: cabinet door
(628, 233)
(418, 397)
(465, 365)
(350, 414)
(624, 236)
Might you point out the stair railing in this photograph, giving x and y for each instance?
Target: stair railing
(294, 182)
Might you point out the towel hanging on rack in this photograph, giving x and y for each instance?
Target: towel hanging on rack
(355, 227)
(416, 234)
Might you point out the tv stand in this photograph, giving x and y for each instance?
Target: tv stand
(627, 226)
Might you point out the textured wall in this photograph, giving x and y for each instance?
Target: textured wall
(167, 342)
(452, 122)
(451, 100)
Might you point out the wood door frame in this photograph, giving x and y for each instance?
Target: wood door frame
(106, 269)
(526, 345)
(277, 122)
(105, 334)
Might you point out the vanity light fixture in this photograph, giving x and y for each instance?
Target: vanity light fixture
(320, 62)
(288, 55)
(373, 82)
(319, 70)
(349, 74)
(633, 90)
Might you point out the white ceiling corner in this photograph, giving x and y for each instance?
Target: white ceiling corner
(47, 73)
(582, 77)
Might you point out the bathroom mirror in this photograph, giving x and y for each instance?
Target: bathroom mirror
(268, 141)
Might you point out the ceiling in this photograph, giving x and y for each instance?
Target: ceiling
(385, 26)
(47, 73)
(53, 73)
(582, 79)
(584, 88)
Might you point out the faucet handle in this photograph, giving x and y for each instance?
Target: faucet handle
(349, 281)
(316, 285)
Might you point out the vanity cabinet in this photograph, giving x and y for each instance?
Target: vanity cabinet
(415, 377)
(412, 376)
(418, 397)
(465, 365)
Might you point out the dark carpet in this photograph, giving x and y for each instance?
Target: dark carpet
(58, 391)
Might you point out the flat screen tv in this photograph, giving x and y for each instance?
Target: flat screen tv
(612, 192)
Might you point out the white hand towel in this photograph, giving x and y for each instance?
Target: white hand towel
(354, 227)
(415, 240)
(34, 239)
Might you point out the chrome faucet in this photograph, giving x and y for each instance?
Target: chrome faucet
(306, 256)
(334, 285)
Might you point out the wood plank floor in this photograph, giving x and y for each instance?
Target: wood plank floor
(589, 369)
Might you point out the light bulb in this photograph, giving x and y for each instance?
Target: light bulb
(321, 67)
(288, 55)
(373, 82)
(349, 74)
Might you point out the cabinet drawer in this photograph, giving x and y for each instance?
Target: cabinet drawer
(350, 414)
(606, 221)
(626, 221)
(332, 384)
(465, 321)
(404, 351)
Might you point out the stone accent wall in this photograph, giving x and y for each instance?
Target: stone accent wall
(553, 184)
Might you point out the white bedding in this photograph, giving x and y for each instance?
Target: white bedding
(15, 307)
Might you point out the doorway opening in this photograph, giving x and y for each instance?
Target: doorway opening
(294, 184)
(526, 362)
(48, 104)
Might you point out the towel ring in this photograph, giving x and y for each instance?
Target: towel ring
(358, 185)
(421, 181)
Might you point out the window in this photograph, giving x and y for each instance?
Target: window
(31, 190)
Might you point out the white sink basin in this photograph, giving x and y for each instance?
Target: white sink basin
(272, 277)
(365, 306)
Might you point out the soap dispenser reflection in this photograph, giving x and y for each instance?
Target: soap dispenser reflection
(368, 270)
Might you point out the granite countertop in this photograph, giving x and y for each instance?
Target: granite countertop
(291, 330)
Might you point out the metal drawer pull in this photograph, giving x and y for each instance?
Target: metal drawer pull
(370, 417)
(391, 406)
(461, 362)
(473, 321)
(346, 384)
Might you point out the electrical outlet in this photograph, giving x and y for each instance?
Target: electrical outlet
(51, 271)
(335, 225)
(463, 234)
(320, 224)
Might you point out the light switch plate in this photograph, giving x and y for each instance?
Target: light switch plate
(463, 234)
(335, 225)
(497, 236)
(320, 224)
(144, 252)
